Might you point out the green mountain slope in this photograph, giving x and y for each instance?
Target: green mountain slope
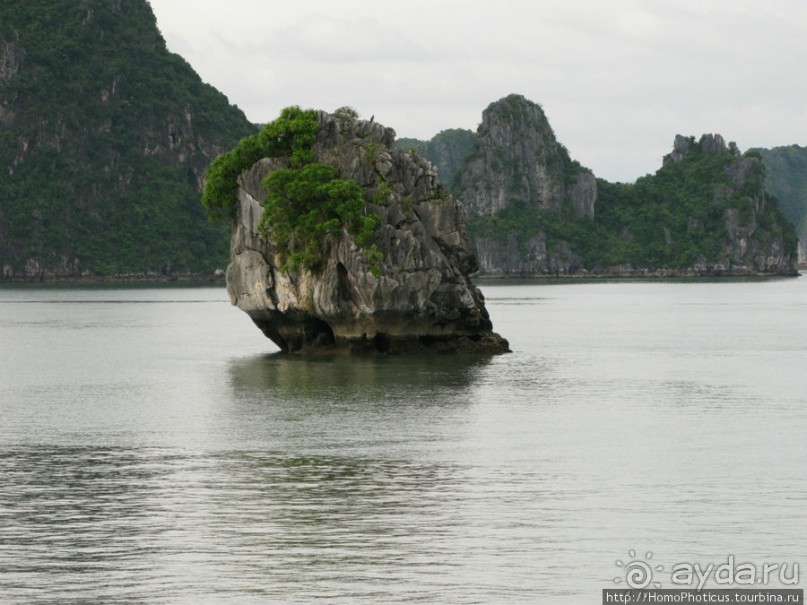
(104, 140)
(535, 211)
(787, 180)
(706, 211)
(447, 150)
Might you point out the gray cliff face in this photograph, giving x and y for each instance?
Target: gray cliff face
(417, 298)
(11, 58)
(518, 161)
(709, 144)
(704, 213)
(735, 227)
(508, 257)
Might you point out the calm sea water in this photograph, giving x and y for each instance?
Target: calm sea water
(154, 449)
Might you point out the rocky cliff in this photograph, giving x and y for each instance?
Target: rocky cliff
(750, 235)
(534, 211)
(520, 186)
(405, 288)
(517, 161)
(105, 137)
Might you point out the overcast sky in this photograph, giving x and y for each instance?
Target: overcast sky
(618, 79)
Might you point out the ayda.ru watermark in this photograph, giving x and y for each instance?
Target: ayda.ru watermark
(645, 573)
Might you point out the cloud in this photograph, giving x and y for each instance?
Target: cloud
(344, 40)
(618, 79)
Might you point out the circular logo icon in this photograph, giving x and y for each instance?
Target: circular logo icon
(638, 573)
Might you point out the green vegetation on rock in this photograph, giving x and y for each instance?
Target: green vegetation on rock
(693, 211)
(306, 201)
(534, 210)
(306, 205)
(292, 135)
(674, 219)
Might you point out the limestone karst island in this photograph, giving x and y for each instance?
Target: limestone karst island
(104, 157)
(534, 211)
(342, 243)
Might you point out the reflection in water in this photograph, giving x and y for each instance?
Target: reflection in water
(377, 407)
(412, 377)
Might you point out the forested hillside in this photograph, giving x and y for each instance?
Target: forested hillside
(535, 211)
(447, 150)
(787, 180)
(105, 137)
